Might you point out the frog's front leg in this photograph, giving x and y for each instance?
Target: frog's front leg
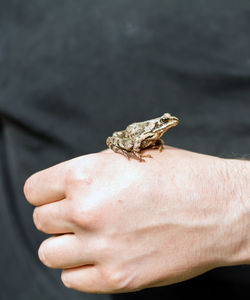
(158, 145)
(139, 156)
(138, 152)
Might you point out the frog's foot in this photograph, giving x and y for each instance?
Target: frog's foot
(139, 156)
(134, 155)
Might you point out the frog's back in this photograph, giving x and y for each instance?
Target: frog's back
(135, 129)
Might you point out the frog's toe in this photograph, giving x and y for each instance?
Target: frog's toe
(136, 155)
(126, 153)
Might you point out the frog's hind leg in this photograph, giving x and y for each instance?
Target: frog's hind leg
(129, 154)
(121, 151)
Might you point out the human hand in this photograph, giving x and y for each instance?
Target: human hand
(121, 226)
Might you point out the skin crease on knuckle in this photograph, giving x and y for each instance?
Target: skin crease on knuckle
(66, 280)
(27, 190)
(40, 221)
(42, 217)
(48, 253)
(42, 254)
(36, 220)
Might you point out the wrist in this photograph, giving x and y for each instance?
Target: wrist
(237, 183)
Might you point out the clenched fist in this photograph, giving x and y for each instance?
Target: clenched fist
(120, 225)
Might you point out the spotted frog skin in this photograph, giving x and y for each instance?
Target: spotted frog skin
(142, 135)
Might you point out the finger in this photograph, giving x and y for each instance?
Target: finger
(64, 251)
(54, 217)
(85, 279)
(46, 186)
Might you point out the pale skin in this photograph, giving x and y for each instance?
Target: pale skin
(120, 225)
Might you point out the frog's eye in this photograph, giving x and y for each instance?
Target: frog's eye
(164, 119)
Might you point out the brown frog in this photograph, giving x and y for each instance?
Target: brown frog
(142, 135)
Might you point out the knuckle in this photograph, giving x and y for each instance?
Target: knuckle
(47, 253)
(116, 281)
(40, 221)
(102, 247)
(76, 179)
(70, 177)
(43, 255)
(65, 279)
(85, 218)
(36, 220)
(79, 166)
(27, 190)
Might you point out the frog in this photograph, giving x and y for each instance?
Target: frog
(140, 136)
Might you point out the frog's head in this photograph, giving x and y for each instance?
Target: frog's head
(165, 122)
(157, 127)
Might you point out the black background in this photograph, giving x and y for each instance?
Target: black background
(72, 72)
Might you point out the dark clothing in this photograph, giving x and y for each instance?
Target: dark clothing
(72, 72)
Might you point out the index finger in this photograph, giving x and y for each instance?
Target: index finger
(46, 186)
